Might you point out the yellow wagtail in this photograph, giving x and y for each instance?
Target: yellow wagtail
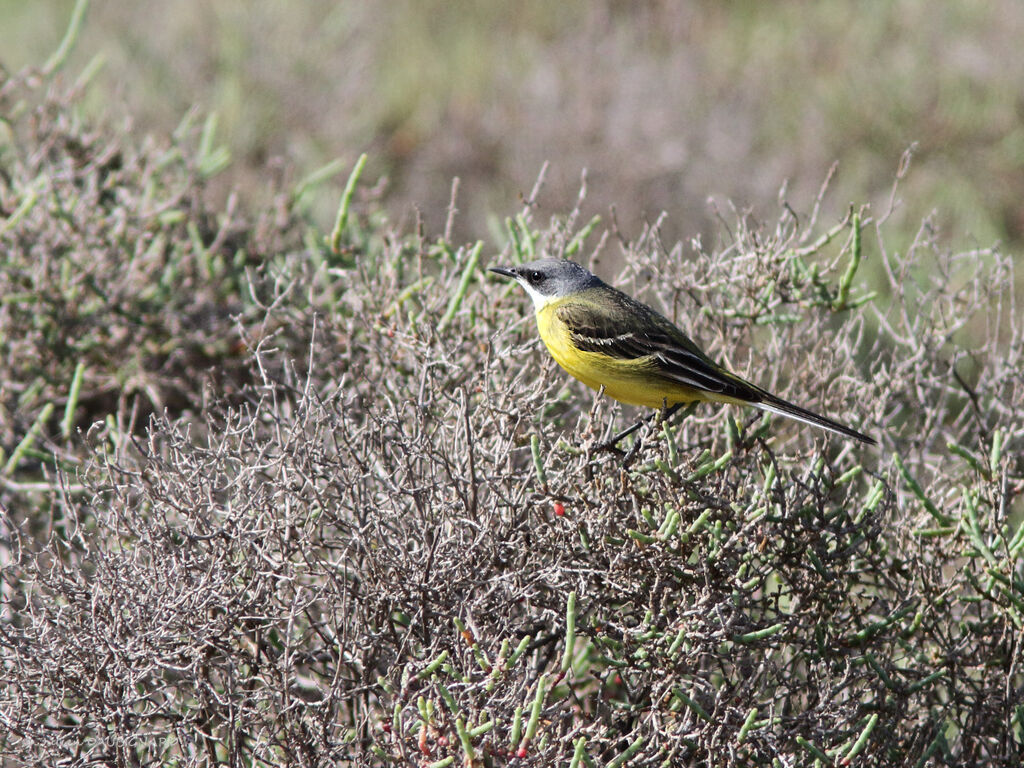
(608, 339)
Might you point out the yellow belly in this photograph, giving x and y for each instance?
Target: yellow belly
(634, 382)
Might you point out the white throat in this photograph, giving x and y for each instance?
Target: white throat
(539, 299)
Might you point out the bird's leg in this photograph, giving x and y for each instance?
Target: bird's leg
(611, 443)
(666, 413)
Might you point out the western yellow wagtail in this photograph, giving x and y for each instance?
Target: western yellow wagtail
(608, 339)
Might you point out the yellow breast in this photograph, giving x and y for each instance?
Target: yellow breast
(628, 381)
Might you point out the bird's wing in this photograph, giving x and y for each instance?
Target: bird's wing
(669, 352)
(666, 351)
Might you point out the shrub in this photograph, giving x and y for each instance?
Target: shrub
(392, 538)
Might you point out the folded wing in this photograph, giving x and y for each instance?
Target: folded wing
(669, 353)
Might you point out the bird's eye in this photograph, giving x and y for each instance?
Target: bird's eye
(534, 276)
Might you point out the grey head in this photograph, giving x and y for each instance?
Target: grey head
(547, 279)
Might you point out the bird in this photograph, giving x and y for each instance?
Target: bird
(616, 344)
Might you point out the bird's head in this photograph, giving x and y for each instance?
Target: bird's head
(549, 279)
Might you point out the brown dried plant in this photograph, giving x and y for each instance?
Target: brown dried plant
(386, 537)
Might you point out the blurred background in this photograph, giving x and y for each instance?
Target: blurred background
(671, 106)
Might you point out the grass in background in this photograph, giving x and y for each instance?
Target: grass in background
(665, 103)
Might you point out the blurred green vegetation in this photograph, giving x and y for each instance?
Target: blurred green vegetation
(667, 104)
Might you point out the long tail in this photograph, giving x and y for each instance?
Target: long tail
(783, 408)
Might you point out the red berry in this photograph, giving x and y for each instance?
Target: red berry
(521, 752)
(559, 509)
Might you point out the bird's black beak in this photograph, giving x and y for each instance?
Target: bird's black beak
(505, 271)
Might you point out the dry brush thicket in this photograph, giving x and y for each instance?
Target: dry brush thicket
(371, 525)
